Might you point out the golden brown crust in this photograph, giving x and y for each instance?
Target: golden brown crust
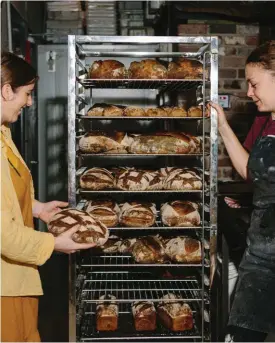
(180, 213)
(134, 112)
(184, 250)
(185, 68)
(97, 179)
(134, 214)
(177, 112)
(156, 112)
(107, 69)
(147, 69)
(195, 111)
(107, 313)
(113, 111)
(144, 314)
(104, 210)
(148, 249)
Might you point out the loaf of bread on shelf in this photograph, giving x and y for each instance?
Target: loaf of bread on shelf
(96, 142)
(97, 110)
(107, 313)
(149, 249)
(174, 314)
(144, 314)
(132, 111)
(155, 180)
(114, 111)
(90, 230)
(194, 111)
(97, 179)
(184, 250)
(126, 245)
(156, 112)
(181, 179)
(195, 144)
(135, 214)
(147, 69)
(180, 213)
(111, 246)
(133, 180)
(177, 112)
(107, 69)
(160, 143)
(106, 211)
(184, 68)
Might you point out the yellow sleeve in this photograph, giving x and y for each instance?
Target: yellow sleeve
(18, 242)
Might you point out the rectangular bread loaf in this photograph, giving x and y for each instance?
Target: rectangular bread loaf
(107, 313)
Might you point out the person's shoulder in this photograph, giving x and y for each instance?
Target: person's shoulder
(260, 120)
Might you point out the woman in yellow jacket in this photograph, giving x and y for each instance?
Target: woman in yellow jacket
(22, 248)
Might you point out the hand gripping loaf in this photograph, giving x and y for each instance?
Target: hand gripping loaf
(90, 230)
(175, 314)
(97, 179)
(180, 213)
(108, 69)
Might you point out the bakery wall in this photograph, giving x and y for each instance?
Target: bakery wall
(235, 44)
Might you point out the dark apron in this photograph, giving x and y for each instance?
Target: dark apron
(254, 303)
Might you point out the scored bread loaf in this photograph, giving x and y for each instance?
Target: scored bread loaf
(132, 180)
(160, 143)
(183, 249)
(97, 110)
(194, 111)
(126, 245)
(155, 180)
(144, 314)
(104, 210)
(111, 246)
(181, 179)
(174, 314)
(177, 112)
(147, 69)
(113, 111)
(134, 112)
(149, 249)
(107, 69)
(185, 68)
(156, 112)
(107, 313)
(134, 214)
(100, 142)
(180, 213)
(97, 179)
(90, 229)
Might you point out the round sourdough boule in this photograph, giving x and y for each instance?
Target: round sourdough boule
(90, 230)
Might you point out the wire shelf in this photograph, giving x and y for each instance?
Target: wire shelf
(131, 286)
(126, 331)
(140, 155)
(162, 85)
(118, 260)
(80, 116)
(113, 191)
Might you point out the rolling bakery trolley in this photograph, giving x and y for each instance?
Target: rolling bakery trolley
(94, 274)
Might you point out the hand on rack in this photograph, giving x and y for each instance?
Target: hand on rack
(45, 211)
(65, 244)
(221, 115)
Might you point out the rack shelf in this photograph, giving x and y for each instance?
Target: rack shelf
(131, 286)
(80, 116)
(117, 260)
(162, 85)
(113, 191)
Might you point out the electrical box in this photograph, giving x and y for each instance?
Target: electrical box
(224, 100)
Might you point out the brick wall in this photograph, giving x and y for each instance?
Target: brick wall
(235, 44)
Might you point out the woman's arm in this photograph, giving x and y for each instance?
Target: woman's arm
(238, 155)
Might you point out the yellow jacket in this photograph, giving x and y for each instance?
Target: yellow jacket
(22, 248)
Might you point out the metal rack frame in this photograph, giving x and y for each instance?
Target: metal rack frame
(78, 48)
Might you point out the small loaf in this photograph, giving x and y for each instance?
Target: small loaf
(90, 229)
(107, 313)
(144, 314)
(184, 249)
(174, 314)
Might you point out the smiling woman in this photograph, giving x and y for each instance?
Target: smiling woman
(22, 248)
(253, 310)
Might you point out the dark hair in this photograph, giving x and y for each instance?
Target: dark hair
(264, 55)
(16, 71)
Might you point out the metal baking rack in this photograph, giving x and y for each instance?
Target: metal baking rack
(83, 50)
